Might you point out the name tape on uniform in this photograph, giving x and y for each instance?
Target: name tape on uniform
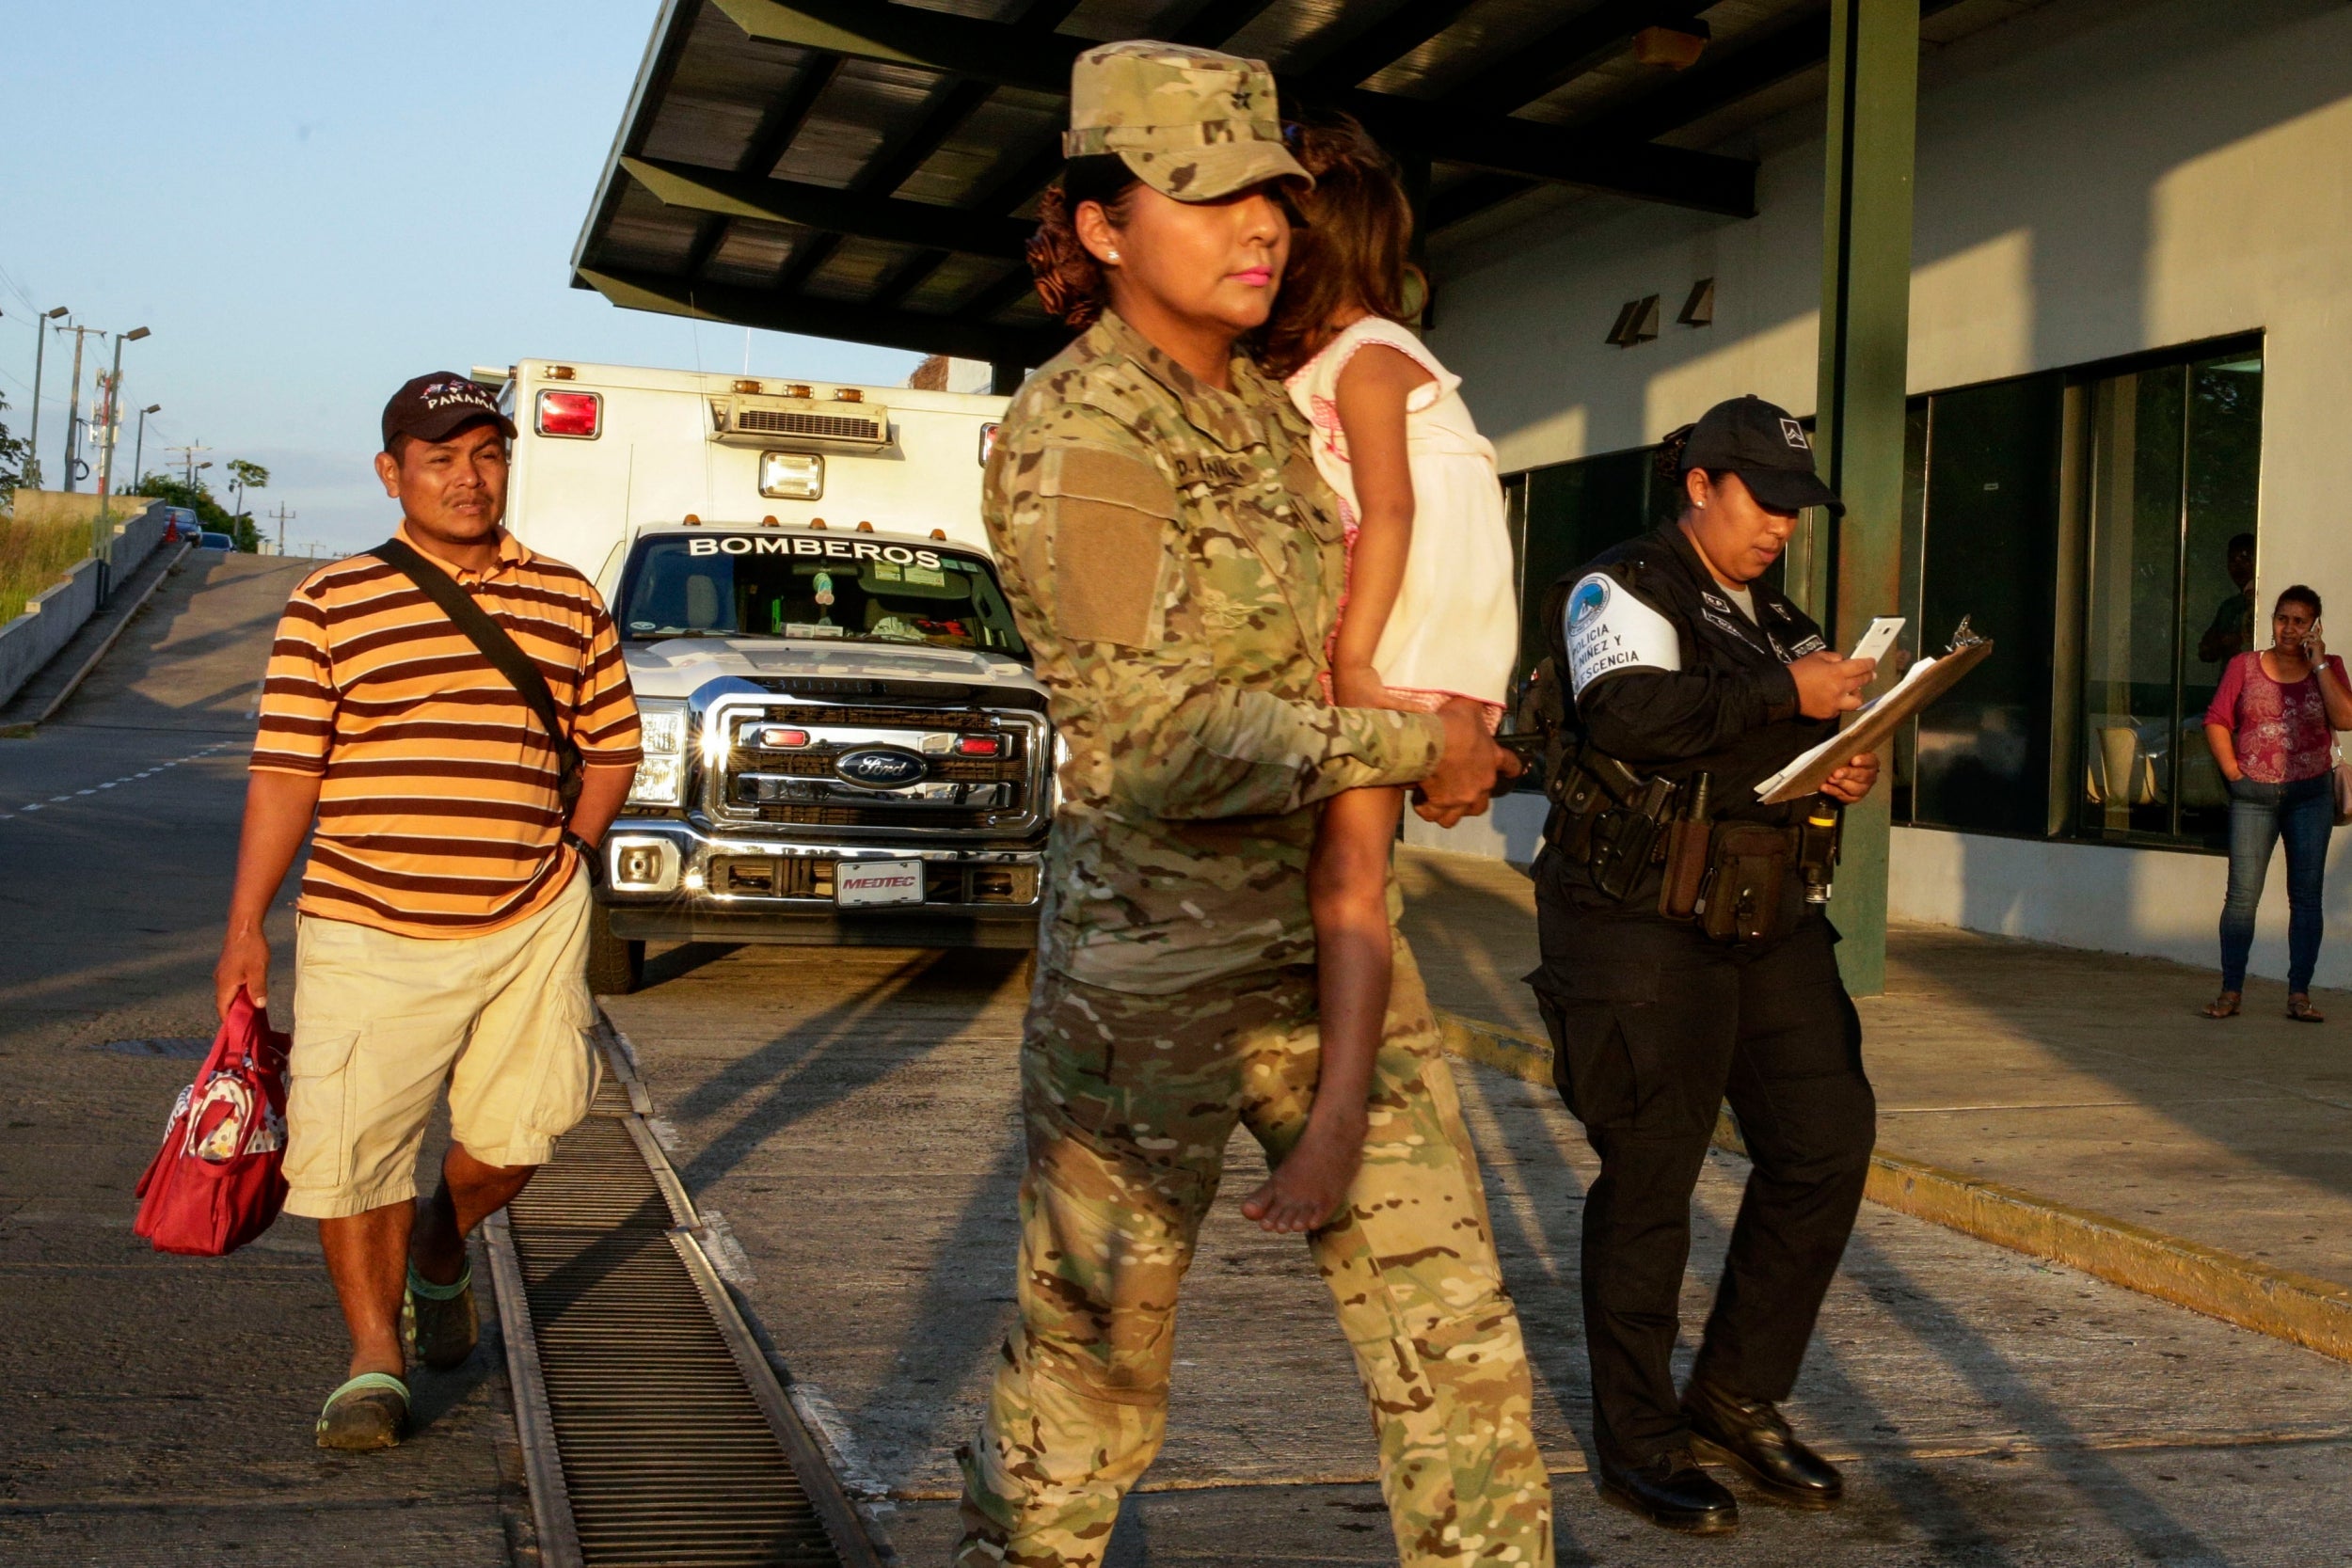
(1609, 629)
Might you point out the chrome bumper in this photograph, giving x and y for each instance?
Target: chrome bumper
(658, 883)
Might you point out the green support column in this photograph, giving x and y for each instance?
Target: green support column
(1865, 331)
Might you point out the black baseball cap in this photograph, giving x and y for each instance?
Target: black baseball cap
(1767, 447)
(435, 408)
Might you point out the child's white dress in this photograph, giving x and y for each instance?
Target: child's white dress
(1455, 630)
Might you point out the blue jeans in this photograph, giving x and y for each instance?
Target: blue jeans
(2304, 814)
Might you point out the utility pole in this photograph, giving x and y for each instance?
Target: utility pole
(74, 405)
(187, 455)
(32, 441)
(283, 515)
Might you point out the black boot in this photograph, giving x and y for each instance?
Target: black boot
(1672, 1491)
(1753, 1437)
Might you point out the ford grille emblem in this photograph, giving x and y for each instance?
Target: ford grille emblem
(880, 767)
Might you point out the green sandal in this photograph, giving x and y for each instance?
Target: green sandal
(443, 1324)
(368, 1412)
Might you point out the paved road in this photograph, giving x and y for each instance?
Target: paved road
(156, 1410)
(849, 1119)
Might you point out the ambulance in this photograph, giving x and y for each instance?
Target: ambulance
(844, 743)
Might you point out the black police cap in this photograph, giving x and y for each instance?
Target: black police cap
(1766, 447)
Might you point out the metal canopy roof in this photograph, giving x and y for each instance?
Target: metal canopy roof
(865, 169)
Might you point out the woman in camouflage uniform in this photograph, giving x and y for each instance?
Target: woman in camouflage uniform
(1176, 565)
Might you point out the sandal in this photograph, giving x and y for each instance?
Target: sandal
(368, 1412)
(2300, 1009)
(443, 1324)
(2224, 1005)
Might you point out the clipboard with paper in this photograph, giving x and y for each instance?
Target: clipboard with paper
(1873, 725)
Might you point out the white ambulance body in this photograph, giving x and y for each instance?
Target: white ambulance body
(844, 740)
(606, 450)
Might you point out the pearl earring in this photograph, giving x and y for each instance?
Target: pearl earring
(1114, 255)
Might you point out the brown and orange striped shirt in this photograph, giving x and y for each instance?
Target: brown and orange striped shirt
(438, 814)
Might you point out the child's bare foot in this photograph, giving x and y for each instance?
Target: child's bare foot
(1309, 1186)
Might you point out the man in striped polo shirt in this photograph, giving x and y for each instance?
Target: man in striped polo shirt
(443, 917)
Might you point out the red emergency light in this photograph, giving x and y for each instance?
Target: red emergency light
(573, 413)
(980, 746)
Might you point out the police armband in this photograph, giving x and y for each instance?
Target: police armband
(1606, 631)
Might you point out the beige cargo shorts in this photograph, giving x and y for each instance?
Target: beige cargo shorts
(382, 1021)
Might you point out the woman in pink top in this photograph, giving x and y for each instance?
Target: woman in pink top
(2272, 728)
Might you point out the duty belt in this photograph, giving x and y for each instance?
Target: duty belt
(1728, 874)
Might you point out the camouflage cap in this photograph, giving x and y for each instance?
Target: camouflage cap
(1191, 123)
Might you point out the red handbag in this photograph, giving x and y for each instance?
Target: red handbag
(219, 1180)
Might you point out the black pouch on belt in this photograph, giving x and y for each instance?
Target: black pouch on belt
(1686, 854)
(1742, 900)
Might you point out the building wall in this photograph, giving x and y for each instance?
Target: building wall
(2095, 179)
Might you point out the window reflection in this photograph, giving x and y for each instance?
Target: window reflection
(2174, 460)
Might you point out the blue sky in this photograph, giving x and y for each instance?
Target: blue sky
(308, 203)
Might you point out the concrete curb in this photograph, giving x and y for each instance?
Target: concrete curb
(2313, 1313)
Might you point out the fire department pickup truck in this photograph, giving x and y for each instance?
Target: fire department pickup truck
(844, 743)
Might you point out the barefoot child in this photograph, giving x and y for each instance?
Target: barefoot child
(1429, 616)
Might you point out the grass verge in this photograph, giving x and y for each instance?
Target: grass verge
(34, 557)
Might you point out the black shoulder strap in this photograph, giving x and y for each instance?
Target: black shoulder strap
(488, 636)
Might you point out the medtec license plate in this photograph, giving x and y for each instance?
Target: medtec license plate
(878, 882)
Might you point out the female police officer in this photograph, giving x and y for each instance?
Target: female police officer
(1176, 566)
(1683, 961)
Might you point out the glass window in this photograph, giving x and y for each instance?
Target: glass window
(1988, 550)
(2174, 461)
(1574, 511)
(804, 586)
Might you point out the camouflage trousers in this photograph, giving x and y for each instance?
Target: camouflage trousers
(1129, 1101)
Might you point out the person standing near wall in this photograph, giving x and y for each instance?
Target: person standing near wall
(1175, 563)
(2272, 728)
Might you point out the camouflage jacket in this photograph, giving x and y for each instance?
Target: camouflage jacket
(1176, 565)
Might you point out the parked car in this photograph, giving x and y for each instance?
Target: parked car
(210, 541)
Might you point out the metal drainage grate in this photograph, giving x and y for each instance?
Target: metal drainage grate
(654, 1432)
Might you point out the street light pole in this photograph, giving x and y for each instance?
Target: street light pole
(32, 441)
(138, 448)
(114, 414)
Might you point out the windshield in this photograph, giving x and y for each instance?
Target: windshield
(801, 585)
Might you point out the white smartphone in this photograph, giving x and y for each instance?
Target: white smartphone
(1880, 638)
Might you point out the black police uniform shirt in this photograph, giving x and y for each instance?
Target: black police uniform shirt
(1671, 677)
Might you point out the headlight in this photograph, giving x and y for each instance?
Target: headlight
(659, 782)
(664, 722)
(660, 779)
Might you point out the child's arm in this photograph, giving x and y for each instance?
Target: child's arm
(1371, 402)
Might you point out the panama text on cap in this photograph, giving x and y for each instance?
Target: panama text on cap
(434, 407)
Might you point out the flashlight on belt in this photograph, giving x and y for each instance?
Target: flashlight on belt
(1817, 848)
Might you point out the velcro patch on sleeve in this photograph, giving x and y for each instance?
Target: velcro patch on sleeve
(1110, 529)
(1107, 476)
